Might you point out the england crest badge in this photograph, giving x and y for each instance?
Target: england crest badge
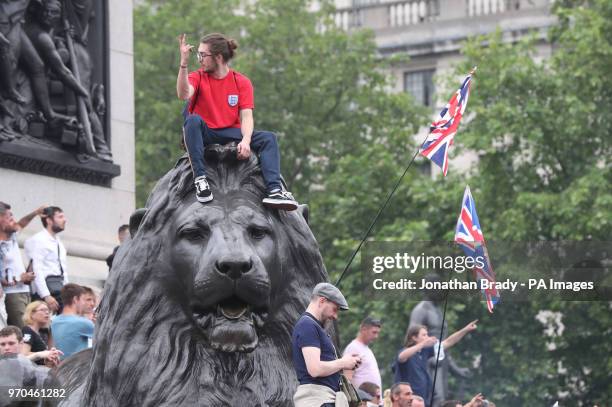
(232, 100)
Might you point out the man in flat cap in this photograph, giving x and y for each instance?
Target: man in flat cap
(314, 357)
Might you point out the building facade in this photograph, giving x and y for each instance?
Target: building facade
(431, 33)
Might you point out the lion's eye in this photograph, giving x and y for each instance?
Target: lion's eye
(257, 232)
(194, 233)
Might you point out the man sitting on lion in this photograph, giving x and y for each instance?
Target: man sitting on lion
(220, 111)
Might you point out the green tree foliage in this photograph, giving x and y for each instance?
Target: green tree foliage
(542, 133)
(541, 130)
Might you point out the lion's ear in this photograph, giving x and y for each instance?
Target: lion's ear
(135, 220)
(304, 211)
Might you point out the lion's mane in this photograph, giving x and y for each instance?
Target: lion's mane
(146, 351)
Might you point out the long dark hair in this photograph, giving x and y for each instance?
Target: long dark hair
(411, 332)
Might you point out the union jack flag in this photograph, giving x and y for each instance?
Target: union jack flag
(442, 131)
(468, 235)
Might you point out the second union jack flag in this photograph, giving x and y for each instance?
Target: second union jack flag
(442, 130)
(468, 235)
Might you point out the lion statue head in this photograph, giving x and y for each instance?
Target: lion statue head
(201, 302)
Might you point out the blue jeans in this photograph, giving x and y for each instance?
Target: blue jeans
(198, 135)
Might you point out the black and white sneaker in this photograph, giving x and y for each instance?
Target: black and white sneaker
(279, 199)
(203, 192)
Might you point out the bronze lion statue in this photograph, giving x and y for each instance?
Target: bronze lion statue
(200, 303)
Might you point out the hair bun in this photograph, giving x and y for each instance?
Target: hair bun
(232, 44)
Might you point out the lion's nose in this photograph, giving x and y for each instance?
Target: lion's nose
(234, 268)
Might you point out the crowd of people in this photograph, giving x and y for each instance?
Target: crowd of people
(43, 316)
(319, 368)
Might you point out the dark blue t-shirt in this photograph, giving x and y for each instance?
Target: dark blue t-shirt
(308, 331)
(414, 371)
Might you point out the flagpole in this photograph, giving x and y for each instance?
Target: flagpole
(435, 375)
(384, 206)
(380, 211)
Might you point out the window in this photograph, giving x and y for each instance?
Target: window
(420, 85)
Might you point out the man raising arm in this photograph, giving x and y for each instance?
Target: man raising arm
(411, 363)
(14, 277)
(220, 111)
(183, 89)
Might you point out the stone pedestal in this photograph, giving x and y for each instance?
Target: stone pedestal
(94, 212)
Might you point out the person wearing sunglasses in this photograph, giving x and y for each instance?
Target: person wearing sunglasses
(220, 111)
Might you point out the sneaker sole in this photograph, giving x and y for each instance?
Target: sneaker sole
(205, 199)
(280, 204)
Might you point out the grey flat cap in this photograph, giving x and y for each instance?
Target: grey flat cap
(329, 291)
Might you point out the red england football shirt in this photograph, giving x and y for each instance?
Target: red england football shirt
(219, 101)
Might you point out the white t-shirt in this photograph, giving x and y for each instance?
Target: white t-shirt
(12, 267)
(368, 370)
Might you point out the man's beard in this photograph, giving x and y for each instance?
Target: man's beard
(56, 228)
(212, 68)
(326, 321)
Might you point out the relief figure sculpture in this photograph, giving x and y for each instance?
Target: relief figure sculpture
(51, 95)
